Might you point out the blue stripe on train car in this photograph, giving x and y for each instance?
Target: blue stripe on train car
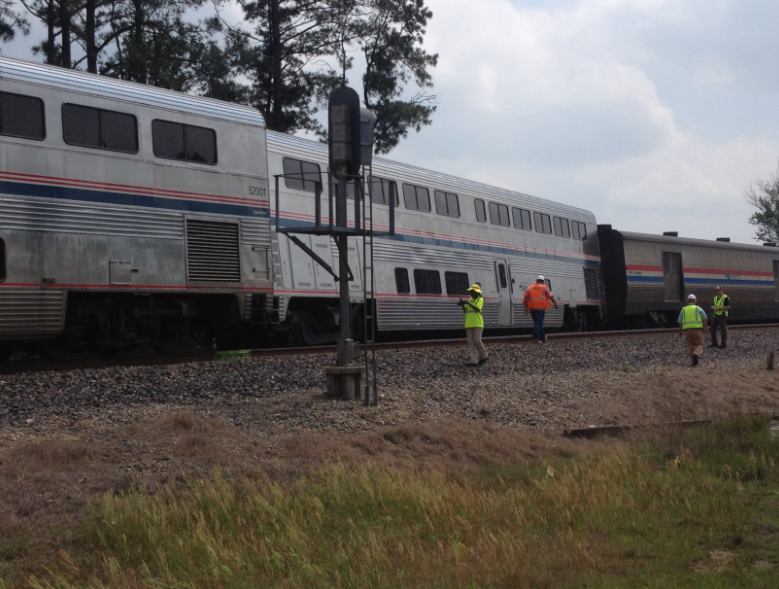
(131, 199)
(722, 281)
(438, 242)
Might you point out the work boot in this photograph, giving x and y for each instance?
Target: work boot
(713, 345)
(695, 360)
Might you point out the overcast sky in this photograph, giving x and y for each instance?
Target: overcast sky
(656, 115)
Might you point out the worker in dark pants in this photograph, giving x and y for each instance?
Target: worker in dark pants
(720, 320)
(536, 301)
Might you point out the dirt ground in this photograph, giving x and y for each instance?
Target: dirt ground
(48, 477)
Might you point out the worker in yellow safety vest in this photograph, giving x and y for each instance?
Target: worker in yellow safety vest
(474, 325)
(720, 320)
(693, 326)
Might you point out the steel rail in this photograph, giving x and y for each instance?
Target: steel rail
(20, 366)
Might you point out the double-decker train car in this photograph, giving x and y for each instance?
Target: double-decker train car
(127, 213)
(449, 233)
(647, 277)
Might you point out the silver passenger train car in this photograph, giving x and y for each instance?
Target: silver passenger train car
(449, 233)
(127, 213)
(647, 277)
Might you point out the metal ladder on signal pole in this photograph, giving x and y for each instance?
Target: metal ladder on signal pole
(371, 393)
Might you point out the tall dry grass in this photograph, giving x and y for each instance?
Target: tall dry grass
(628, 517)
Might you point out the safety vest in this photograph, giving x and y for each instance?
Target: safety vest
(691, 319)
(718, 303)
(473, 317)
(536, 297)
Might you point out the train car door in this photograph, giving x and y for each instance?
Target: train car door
(321, 246)
(504, 292)
(355, 259)
(301, 266)
(673, 276)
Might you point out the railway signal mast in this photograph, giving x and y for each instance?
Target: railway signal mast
(350, 143)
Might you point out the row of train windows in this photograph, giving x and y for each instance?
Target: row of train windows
(429, 282)
(302, 175)
(97, 128)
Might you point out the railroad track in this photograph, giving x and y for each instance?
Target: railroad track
(80, 363)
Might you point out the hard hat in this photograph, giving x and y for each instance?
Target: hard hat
(475, 288)
(692, 297)
(540, 277)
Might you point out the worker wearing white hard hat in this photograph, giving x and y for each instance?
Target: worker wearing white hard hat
(693, 327)
(537, 300)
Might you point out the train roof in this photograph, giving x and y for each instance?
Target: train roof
(692, 241)
(84, 83)
(299, 146)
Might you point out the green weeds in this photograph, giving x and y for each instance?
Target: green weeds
(694, 508)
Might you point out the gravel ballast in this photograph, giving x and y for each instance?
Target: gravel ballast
(563, 384)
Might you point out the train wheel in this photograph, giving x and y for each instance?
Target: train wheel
(173, 335)
(5, 353)
(581, 322)
(60, 347)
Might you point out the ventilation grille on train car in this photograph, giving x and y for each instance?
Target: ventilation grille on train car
(212, 252)
(591, 283)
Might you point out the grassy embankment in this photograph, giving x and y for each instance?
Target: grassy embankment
(699, 509)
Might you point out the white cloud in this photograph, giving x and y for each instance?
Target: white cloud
(608, 104)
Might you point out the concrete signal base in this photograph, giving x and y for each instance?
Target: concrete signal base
(345, 381)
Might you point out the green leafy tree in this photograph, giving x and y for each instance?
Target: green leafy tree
(299, 51)
(390, 36)
(57, 16)
(764, 196)
(278, 54)
(153, 43)
(11, 22)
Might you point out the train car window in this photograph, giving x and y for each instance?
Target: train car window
(481, 210)
(561, 227)
(350, 184)
(521, 219)
(382, 189)
(579, 230)
(427, 281)
(502, 278)
(174, 141)
(200, 144)
(401, 281)
(416, 198)
(301, 175)
(22, 116)
(456, 283)
(96, 128)
(542, 222)
(446, 203)
(2, 260)
(499, 214)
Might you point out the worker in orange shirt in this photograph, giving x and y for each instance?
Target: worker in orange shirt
(536, 302)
